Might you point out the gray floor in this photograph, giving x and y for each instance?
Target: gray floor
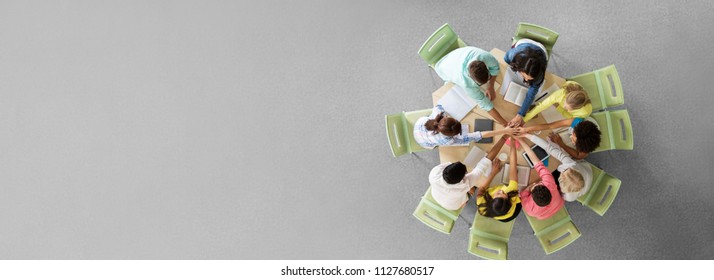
(255, 129)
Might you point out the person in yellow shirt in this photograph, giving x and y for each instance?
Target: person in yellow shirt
(571, 100)
(500, 202)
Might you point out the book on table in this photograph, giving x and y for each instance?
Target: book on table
(456, 103)
(524, 174)
(484, 125)
(515, 91)
(474, 156)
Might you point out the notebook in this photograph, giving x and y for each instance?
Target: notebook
(524, 174)
(484, 125)
(474, 156)
(456, 103)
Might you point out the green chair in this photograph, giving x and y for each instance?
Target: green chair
(443, 41)
(536, 33)
(602, 192)
(616, 130)
(603, 87)
(400, 131)
(556, 232)
(489, 238)
(433, 215)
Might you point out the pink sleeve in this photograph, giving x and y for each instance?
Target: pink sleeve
(547, 177)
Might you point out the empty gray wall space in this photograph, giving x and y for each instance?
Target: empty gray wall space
(255, 129)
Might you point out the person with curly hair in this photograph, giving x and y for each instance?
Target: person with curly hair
(584, 134)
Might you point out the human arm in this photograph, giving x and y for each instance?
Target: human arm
(575, 154)
(496, 167)
(490, 90)
(506, 130)
(496, 148)
(552, 149)
(539, 127)
(555, 97)
(513, 160)
(532, 91)
(497, 117)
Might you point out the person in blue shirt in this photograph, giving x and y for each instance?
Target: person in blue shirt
(529, 59)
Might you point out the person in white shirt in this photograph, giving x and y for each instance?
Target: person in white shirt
(450, 184)
(573, 177)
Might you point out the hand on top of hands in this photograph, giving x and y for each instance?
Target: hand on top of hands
(517, 121)
(555, 138)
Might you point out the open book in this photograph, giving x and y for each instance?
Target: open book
(474, 156)
(515, 91)
(456, 103)
(524, 173)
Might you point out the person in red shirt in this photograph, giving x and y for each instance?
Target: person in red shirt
(542, 198)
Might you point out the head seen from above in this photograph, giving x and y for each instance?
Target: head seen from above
(571, 181)
(541, 194)
(586, 137)
(530, 64)
(479, 72)
(454, 173)
(447, 126)
(576, 97)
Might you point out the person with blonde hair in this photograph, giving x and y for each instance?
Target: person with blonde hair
(571, 100)
(572, 177)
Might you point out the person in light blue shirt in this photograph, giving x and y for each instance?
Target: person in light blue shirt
(470, 68)
(440, 130)
(529, 59)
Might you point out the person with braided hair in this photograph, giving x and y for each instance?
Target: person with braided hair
(439, 130)
(500, 202)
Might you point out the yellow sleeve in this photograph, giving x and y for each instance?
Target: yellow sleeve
(512, 186)
(552, 99)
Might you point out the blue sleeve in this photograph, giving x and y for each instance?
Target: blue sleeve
(532, 91)
(509, 56)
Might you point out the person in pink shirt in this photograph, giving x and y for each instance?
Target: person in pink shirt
(542, 198)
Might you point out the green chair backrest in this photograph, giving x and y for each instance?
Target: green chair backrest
(411, 118)
(610, 85)
(433, 215)
(556, 232)
(443, 41)
(590, 84)
(396, 135)
(489, 238)
(616, 130)
(536, 33)
(400, 131)
(603, 86)
(621, 129)
(602, 193)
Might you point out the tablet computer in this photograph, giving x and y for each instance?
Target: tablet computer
(540, 152)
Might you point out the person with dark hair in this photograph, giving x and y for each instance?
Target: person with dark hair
(528, 60)
(450, 183)
(542, 198)
(500, 202)
(440, 130)
(584, 134)
(472, 68)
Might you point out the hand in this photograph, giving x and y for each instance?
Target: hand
(555, 138)
(509, 130)
(496, 166)
(490, 92)
(516, 121)
(521, 131)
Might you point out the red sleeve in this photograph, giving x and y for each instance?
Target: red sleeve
(546, 176)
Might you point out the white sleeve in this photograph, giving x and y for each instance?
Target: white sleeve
(481, 168)
(553, 150)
